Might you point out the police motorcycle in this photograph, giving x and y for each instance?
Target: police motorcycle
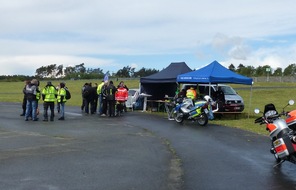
(198, 111)
(281, 132)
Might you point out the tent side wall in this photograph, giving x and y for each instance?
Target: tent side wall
(159, 90)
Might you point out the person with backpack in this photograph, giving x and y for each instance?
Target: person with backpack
(61, 99)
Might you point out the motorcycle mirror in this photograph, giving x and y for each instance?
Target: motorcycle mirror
(256, 111)
(291, 102)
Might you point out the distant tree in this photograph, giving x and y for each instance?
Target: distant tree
(80, 68)
(290, 70)
(231, 67)
(60, 70)
(247, 71)
(240, 68)
(278, 72)
(143, 72)
(69, 70)
(50, 71)
(41, 72)
(124, 72)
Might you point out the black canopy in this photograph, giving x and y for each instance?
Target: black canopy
(164, 82)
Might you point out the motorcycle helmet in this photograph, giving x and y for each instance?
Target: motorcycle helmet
(208, 98)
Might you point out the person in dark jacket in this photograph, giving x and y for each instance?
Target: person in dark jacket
(95, 100)
(110, 97)
(87, 96)
(24, 104)
(31, 107)
(104, 98)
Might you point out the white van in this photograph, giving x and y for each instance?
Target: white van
(233, 101)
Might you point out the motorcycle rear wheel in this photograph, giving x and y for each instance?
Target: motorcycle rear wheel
(203, 119)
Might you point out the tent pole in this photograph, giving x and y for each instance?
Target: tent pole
(250, 100)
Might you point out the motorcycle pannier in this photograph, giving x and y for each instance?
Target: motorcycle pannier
(291, 120)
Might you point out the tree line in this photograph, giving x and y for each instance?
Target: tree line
(265, 70)
(81, 72)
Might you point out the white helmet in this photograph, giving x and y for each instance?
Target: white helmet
(208, 98)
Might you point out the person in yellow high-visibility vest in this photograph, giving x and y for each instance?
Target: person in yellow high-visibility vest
(191, 93)
(62, 100)
(49, 95)
(99, 92)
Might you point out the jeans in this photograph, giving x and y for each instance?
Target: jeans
(31, 107)
(62, 109)
(100, 110)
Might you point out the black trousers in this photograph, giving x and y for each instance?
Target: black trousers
(49, 105)
(111, 107)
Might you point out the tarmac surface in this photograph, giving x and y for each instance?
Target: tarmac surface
(136, 151)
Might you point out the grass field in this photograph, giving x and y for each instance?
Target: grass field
(254, 97)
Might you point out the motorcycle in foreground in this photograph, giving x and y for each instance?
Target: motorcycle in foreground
(199, 111)
(281, 134)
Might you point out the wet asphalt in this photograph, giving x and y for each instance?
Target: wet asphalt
(137, 150)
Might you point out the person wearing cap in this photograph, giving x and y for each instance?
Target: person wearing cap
(61, 99)
(31, 107)
(49, 95)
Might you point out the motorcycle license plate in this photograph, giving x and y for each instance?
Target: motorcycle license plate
(206, 111)
(277, 143)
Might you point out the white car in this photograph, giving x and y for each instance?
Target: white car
(233, 101)
(133, 95)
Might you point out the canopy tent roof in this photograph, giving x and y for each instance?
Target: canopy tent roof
(167, 75)
(214, 73)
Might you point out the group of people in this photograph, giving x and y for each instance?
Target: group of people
(49, 94)
(105, 98)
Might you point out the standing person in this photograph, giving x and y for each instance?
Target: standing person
(100, 101)
(88, 95)
(96, 96)
(121, 96)
(24, 104)
(121, 84)
(82, 96)
(49, 95)
(110, 96)
(220, 98)
(31, 106)
(58, 87)
(104, 98)
(61, 99)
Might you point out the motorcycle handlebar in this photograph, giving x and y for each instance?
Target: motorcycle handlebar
(259, 120)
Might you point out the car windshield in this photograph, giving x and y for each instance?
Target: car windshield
(228, 90)
(131, 92)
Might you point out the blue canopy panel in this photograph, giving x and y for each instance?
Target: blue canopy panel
(214, 73)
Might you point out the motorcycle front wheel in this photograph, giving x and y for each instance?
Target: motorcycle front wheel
(203, 119)
(178, 116)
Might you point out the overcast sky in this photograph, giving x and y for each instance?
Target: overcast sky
(112, 34)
